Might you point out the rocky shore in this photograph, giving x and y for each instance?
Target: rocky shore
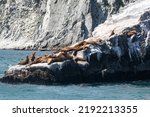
(123, 57)
(119, 51)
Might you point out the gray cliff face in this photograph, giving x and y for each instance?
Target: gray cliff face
(119, 50)
(123, 57)
(33, 24)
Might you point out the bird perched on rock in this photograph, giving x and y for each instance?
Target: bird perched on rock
(24, 62)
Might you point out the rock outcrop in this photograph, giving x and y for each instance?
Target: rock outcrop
(123, 57)
(33, 24)
(120, 53)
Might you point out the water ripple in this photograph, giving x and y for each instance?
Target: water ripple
(131, 90)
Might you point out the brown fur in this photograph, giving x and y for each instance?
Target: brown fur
(24, 62)
(61, 57)
(52, 58)
(80, 46)
(130, 33)
(41, 59)
(64, 55)
(32, 57)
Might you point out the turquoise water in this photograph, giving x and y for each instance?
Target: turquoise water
(132, 90)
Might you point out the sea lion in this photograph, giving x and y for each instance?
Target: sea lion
(74, 47)
(32, 57)
(60, 57)
(79, 46)
(130, 33)
(41, 59)
(24, 62)
(52, 58)
(62, 54)
(83, 43)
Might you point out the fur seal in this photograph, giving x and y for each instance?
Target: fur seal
(24, 62)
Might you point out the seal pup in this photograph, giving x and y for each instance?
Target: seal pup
(24, 62)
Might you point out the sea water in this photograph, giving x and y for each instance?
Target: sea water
(130, 90)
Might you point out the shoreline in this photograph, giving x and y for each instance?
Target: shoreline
(122, 56)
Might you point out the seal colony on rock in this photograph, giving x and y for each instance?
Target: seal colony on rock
(70, 52)
(80, 45)
(60, 54)
(122, 57)
(119, 50)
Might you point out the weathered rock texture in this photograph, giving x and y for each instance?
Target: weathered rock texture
(33, 24)
(123, 57)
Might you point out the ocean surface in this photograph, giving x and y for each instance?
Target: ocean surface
(120, 91)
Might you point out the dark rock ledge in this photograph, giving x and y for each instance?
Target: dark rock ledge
(123, 57)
